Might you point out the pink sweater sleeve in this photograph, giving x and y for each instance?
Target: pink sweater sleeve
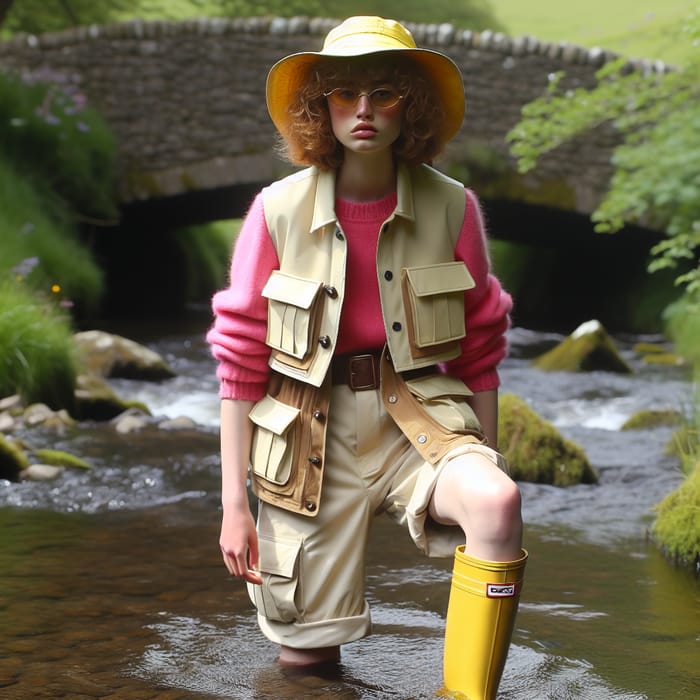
(237, 336)
(487, 308)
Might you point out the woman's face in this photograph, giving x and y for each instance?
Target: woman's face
(366, 115)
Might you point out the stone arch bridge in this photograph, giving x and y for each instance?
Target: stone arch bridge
(186, 102)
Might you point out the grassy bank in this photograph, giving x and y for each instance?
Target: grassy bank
(633, 28)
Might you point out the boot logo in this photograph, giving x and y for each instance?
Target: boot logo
(501, 590)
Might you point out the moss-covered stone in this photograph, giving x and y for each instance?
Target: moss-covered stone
(677, 525)
(588, 348)
(12, 459)
(59, 458)
(96, 400)
(652, 419)
(110, 355)
(536, 451)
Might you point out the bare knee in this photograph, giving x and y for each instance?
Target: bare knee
(486, 504)
(499, 511)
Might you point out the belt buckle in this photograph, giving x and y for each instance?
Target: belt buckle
(362, 374)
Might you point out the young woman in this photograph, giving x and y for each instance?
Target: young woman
(357, 344)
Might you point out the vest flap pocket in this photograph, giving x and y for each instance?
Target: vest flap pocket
(436, 385)
(444, 399)
(273, 415)
(293, 313)
(434, 302)
(278, 556)
(439, 279)
(272, 448)
(289, 289)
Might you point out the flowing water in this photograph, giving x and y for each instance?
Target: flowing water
(111, 584)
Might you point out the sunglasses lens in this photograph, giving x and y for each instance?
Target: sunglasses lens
(384, 97)
(344, 97)
(381, 98)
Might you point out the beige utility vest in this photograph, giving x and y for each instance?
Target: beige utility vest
(422, 299)
(421, 286)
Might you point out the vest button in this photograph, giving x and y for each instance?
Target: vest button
(319, 416)
(392, 398)
(324, 341)
(310, 506)
(332, 292)
(396, 326)
(316, 461)
(339, 234)
(388, 275)
(422, 439)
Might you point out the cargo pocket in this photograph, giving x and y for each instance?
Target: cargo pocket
(293, 317)
(434, 302)
(272, 449)
(444, 399)
(276, 597)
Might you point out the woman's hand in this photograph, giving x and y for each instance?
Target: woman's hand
(239, 543)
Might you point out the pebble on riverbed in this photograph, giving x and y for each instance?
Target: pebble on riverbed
(41, 472)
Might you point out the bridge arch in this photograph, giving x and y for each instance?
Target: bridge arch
(186, 103)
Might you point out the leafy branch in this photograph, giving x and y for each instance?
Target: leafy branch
(656, 165)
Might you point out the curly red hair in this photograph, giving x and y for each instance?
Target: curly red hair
(310, 139)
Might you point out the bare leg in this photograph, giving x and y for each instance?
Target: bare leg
(475, 494)
(289, 656)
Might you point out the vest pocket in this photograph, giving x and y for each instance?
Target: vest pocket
(444, 399)
(272, 448)
(294, 314)
(434, 302)
(275, 599)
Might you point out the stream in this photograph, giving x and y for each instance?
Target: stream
(112, 586)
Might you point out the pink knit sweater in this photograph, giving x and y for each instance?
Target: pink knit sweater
(237, 336)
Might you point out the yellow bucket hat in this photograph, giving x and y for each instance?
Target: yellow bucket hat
(359, 36)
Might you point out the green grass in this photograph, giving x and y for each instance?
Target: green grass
(630, 27)
(37, 352)
(48, 134)
(206, 251)
(40, 249)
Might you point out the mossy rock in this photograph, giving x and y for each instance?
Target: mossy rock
(59, 458)
(645, 348)
(110, 355)
(12, 459)
(589, 348)
(658, 354)
(535, 449)
(677, 525)
(96, 400)
(652, 419)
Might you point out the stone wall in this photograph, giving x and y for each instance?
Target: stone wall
(186, 100)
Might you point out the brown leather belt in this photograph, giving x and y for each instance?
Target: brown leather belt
(361, 371)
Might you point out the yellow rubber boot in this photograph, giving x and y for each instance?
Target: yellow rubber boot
(480, 618)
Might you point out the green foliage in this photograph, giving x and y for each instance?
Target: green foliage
(41, 250)
(206, 251)
(37, 16)
(37, 352)
(656, 179)
(48, 133)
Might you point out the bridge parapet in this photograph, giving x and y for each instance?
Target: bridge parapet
(186, 101)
